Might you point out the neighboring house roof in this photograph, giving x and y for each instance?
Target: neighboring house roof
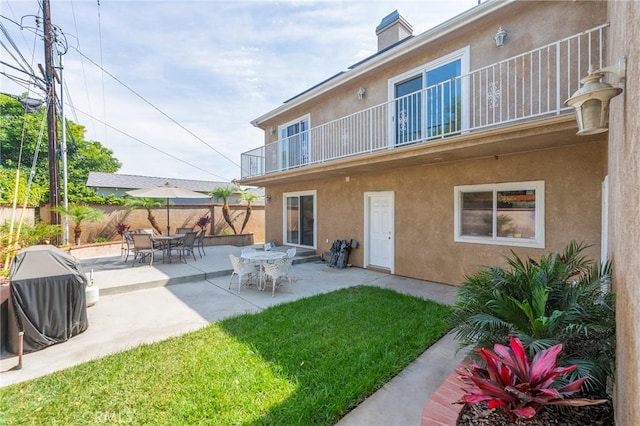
(387, 55)
(118, 184)
(126, 182)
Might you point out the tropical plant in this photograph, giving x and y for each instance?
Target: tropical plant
(148, 204)
(561, 298)
(203, 221)
(80, 213)
(249, 197)
(224, 193)
(518, 386)
(121, 228)
(40, 233)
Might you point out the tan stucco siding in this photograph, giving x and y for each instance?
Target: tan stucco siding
(424, 208)
(624, 203)
(529, 25)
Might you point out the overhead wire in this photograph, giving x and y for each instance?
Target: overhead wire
(25, 83)
(158, 109)
(84, 74)
(104, 96)
(154, 148)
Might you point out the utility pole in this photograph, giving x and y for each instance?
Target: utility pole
(52, 125)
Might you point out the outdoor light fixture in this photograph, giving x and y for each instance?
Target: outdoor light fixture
(361, 93)
(272, 131)
(499, 37)
(591, 101)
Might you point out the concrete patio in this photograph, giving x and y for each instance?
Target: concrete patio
(144, 304)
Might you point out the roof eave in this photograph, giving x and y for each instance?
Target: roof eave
(459, 21)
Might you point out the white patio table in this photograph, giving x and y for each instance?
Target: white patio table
(262, 257)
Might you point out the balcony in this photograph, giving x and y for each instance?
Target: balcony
(521, 89)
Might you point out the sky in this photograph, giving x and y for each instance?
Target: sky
(172, 86)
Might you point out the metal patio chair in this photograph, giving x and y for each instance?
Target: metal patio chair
(240, 268)
(279, 269)
(143, 247)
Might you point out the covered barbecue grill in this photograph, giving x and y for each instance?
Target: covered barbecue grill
(47, 299)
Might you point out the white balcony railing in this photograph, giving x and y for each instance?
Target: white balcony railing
(525, 87)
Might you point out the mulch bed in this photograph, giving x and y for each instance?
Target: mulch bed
(592, 415)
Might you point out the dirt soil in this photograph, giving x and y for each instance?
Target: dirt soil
(591, 415)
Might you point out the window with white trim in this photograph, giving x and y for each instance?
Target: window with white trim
(430, 101)
(294, 143)
(509, 214)
(300, 218)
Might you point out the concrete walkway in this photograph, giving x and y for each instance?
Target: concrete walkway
(144, 304)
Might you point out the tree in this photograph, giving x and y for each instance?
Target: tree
(19, 135)
(147, 204)
(80, 213)
(224, 193)
(249, 197)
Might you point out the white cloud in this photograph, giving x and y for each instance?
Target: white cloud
(212, 66)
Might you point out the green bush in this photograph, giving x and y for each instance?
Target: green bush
(558, 299)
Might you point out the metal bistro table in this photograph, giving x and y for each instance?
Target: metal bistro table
(262, 257)
(168, 241)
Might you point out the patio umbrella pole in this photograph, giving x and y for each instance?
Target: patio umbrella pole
(168, 222)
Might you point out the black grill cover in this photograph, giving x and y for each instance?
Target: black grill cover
(47, 298)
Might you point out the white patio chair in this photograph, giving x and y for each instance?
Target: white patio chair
(291, 253)
(240, 268)
(279, 269)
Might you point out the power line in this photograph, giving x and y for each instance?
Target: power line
(158, 109)
(153, 147)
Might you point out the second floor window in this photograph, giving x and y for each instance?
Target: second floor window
(294, 143)
(429, 100)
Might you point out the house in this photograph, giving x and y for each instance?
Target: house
(443, 151)
(450, 149)
(118, 184)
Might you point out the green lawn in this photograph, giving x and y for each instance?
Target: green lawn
(307, 362)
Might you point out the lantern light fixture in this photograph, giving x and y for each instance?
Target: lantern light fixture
(499, 37)
(591, 101)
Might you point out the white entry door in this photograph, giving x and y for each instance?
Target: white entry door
(379, 229)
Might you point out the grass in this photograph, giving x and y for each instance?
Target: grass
(308, 362)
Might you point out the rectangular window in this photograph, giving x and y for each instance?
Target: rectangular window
(505, 213)
(430, 100)
(299, 219)
(294, 143)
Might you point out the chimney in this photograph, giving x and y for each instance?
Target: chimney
(392, 29)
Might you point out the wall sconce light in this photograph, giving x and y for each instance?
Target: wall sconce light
(361, 92)
(499, 37)
(267, 198)
(272, 130)
(591, 101)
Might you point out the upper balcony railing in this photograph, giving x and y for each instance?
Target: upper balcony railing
(528, 86)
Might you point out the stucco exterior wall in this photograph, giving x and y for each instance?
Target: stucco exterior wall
(180, 216)
(624, 207)
(529, 25)
(424, 208)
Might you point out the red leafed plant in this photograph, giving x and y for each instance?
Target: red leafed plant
(518, 386)
(122, 227)
(203, 221)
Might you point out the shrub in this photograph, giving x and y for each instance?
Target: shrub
(558, 299)
(518, 386)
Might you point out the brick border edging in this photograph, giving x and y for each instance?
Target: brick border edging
(440, 410)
